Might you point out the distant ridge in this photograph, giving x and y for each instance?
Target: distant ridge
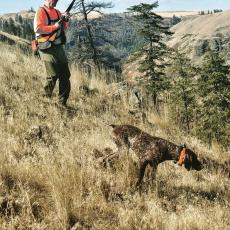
(204, 25)
(179, 13)
(196, 34)
(24, 14)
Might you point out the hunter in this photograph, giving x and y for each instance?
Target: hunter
(50, 37)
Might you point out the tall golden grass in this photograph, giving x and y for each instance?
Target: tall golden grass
(54, 182)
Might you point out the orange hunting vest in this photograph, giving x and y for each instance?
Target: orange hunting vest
(45, 30)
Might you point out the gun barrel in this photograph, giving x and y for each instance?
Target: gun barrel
(70, 6)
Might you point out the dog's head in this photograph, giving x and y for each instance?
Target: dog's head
(189, 159)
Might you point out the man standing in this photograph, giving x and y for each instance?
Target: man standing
(50, 36)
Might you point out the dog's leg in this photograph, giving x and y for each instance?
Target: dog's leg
(150, 174)
(153, 176)
(153, 165)
(141, 173)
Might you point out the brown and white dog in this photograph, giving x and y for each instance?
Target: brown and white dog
(151, 150)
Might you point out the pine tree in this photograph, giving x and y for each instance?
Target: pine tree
(20, 19)
(16, 18)
(6, 26)
(1, 24)
(182, 91)
(151, 54)
(213, 121)
(12, 27)
(175, 20)
(31, 9)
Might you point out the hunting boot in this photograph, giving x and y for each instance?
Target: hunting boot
(49, 86)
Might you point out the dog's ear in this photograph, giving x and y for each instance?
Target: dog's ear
(188, 162)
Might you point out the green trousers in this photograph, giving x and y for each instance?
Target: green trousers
(57, 68)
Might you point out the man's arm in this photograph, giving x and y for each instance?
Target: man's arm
(40, 23)
(66, 19)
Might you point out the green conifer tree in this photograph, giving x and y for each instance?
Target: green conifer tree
(12, 27)
(20, 19)
(6, 26)
(213, 121)
(182, 91)
(151, 54)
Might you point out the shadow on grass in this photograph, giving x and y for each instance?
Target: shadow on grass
(216, 166)
(190, 194)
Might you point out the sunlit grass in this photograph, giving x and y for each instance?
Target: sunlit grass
(54, 182)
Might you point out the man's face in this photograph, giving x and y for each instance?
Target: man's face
(51, 3)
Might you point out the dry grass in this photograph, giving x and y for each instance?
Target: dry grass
(54, 182)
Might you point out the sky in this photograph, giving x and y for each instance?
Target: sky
(11, 6)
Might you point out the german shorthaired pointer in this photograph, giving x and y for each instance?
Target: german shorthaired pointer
(152, 150)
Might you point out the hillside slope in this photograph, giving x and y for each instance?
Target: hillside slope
(28, 14)
(14, 40)
(196, 34)
(50, 178)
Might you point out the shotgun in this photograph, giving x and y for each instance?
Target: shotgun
(70, 6)
(53, 34)
(68, 10)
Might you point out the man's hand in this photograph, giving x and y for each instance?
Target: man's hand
(66, 16)
(58, 24)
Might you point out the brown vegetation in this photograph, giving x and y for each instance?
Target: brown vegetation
(49, 178)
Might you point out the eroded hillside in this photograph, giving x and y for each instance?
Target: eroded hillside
(50, 178)
(195, 35)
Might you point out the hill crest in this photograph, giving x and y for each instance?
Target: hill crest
(196, 34)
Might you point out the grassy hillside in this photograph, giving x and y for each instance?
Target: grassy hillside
(195, 35)
(50, 179)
